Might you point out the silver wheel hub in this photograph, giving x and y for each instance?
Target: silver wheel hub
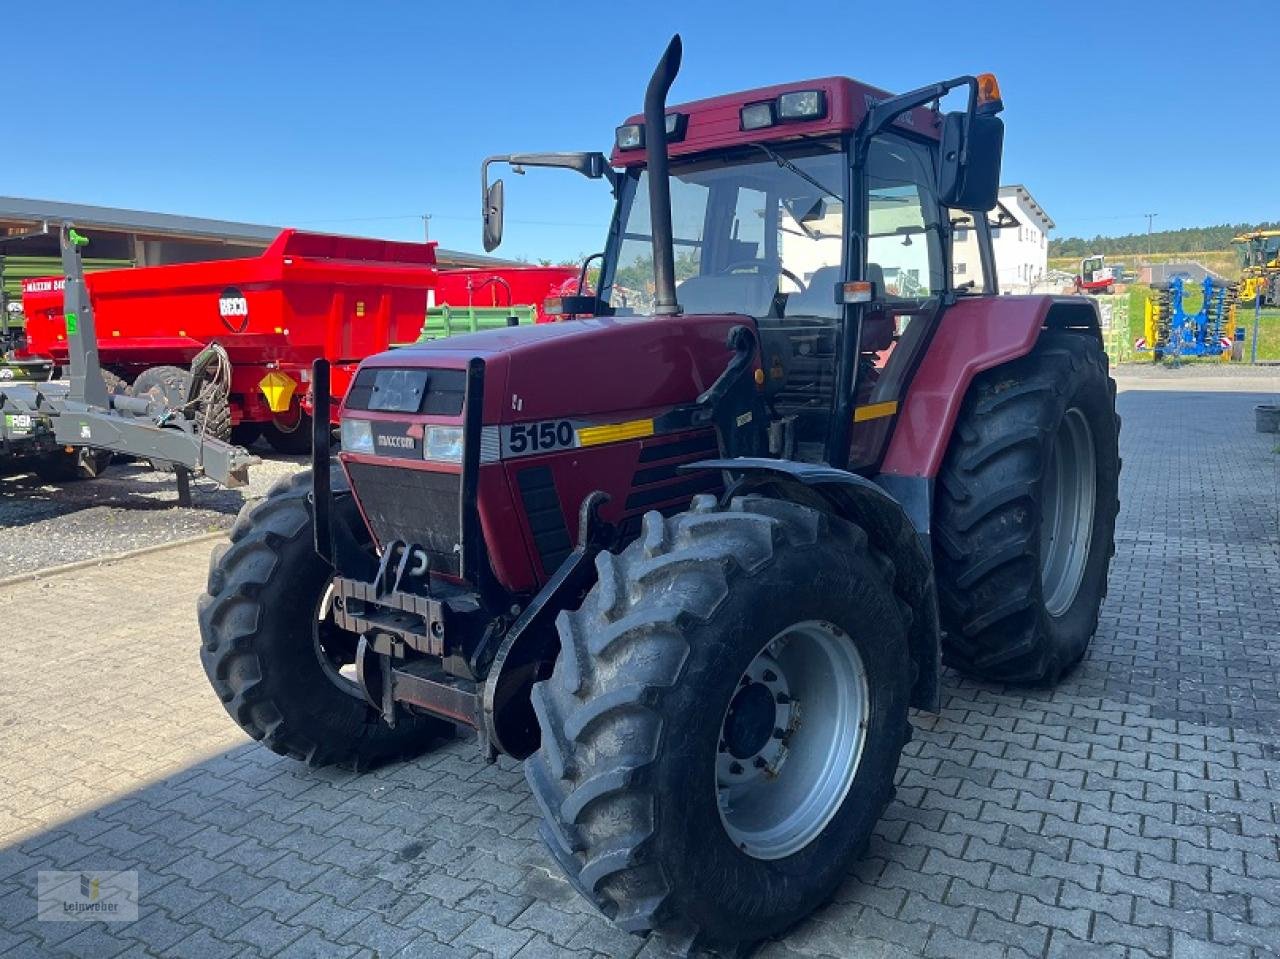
(791, 740)
(1067, 510)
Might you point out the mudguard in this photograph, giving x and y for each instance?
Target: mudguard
(886, 523)
(973, 336)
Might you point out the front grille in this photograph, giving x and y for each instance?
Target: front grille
(414, 506)
(659, 483)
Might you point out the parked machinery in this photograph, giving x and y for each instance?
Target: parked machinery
(69, 430)
(1095, 276)
(693, 567)
(308, 295)
(1259, 266)
(1172, 332)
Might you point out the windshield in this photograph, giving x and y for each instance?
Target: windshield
(751, 235)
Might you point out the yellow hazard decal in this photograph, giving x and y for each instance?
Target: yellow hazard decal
(614, 432)
(875, 411)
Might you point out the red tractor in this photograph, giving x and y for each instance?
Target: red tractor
(693, 567)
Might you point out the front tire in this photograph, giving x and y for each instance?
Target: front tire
(664, 683)
(272, 654)
(1025, 514)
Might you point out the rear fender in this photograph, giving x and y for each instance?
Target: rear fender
(887, 525)
(974, 335)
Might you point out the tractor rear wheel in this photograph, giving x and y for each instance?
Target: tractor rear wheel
(722, 727)
(278, 662)
(1025, 515)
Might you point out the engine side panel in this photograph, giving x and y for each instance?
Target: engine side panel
(973, 336)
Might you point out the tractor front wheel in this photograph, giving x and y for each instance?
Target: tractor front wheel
(275, 657)
(1025, 516)
(722, 727)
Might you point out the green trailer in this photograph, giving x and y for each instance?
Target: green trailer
(445, 321)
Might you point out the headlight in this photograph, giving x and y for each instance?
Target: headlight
(357, 436)
(630, 136)
(757, 116)
(802, 105)
(442, 444)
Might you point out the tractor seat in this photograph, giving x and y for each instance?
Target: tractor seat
(818, 298)
(750, 294)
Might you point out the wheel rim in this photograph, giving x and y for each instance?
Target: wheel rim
(335, 648)
(791, 740)
(1067, 504)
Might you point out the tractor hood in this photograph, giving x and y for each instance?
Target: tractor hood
(589, 367)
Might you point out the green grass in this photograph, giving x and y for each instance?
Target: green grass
(1223, 262)
(1269, 329)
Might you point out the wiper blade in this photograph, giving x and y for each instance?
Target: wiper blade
(788, 165)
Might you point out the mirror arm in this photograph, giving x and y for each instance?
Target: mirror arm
(594, 166)
(886, 111)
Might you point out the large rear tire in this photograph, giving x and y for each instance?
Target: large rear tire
(680, 790)
(272, 654)
(1024, 525)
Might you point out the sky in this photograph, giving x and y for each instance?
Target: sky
(361, 117)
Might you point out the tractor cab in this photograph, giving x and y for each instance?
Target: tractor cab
(780, 197)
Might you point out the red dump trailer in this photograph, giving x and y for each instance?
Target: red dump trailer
(308, 295)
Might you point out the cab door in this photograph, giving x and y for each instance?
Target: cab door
(906, 260)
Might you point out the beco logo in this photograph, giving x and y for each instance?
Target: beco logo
(233, 307)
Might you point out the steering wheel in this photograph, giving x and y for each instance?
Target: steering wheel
(757, 264)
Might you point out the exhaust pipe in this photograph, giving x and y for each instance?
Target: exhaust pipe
(655, 137)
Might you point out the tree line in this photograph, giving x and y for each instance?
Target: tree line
(1189, 240)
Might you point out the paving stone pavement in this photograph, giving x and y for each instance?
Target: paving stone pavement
(1131, 812)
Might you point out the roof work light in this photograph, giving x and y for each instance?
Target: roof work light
(630, 136)
(787, 108)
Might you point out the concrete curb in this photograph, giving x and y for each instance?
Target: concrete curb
(50, 571)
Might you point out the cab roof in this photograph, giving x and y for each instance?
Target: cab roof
(714, 123)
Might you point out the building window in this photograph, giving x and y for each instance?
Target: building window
(962, 234)
(961, 268)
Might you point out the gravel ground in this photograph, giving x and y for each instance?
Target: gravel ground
(127, 507)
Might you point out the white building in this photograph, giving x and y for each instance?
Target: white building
(1021, 250)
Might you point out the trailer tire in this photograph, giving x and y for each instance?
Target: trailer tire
(83, 463)
(629, 775)
(172, 385)
(1020, 588)
(263, 655)
(292, 442)
(246, 434)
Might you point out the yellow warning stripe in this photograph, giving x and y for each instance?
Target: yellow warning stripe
(614, 432)
(875, 411)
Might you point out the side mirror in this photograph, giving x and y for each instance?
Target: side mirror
(969, 172)
(493, 216)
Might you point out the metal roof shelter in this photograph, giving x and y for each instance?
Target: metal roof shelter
(152, 239)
